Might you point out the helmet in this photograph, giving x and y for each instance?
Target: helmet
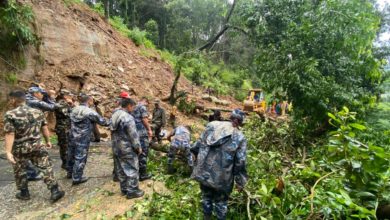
(238, 114)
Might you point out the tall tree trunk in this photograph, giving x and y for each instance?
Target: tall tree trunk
(106, 9)
(172, 97)
(127, 12)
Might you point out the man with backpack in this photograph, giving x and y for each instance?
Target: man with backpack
(221, 161)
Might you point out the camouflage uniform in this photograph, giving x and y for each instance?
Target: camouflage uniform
(158, 121)
(82, 118)
(33, 102)
(26, 123)
(62, 127)
(181, 141)
(125, 143)
(221, 152)
(139, 113)
(47, 105)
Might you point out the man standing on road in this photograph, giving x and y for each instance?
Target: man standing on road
(122, 96)
(62, 127)
(158, 120)
(39, 99)
(141, 115)
(126, 148)
(221, 161)
(82, 118)
(23, 126)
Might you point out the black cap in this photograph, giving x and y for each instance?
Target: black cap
(17, 94)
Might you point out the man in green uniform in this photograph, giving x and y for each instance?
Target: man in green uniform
(62, 128)
(23, 126)
(158, 120)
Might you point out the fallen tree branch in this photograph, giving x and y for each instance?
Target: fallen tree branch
(312, 192)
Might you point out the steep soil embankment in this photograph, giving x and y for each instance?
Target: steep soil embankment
(83, 53)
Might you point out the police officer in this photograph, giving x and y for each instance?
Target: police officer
(23, 126)
(38, 98)
(181, 141)
(82, 118)
(158, 120)
(126, 148)
(62, 127)
(123, 95)
(140, 114)
(225, 145)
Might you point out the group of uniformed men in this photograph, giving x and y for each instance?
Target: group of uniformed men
(220, 151)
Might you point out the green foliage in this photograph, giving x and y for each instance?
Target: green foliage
(151, 28)
(11, 78)
(98, 8)
(318, 52)
(16, 32)
(138, 36)
(186, 106)
(70, 2)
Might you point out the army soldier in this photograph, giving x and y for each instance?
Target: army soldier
(158, 120)
(62, 127)
(181, 141)
(23, 126)
(140, 114)
(38, 98)
(82, 118)
(126, 148)
(221, 156)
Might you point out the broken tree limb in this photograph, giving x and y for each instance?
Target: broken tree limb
(225, 27)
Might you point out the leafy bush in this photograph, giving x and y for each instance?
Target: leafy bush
(314, 53)
(136, 35)
(11, 78)
(186, 106)
(15, 30)
(98, 8)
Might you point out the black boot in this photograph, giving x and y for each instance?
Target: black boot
(63, 165)
(115, 178)
(24, 194)
(144, 176)
(171, 170)
(206, 217)
(83, 180)
(56, 193)
(135, 194)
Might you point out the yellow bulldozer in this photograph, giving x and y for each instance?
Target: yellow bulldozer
(255, 101)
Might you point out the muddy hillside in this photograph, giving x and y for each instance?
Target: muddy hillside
(81, 52)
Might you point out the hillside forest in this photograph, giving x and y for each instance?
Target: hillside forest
(330, 158)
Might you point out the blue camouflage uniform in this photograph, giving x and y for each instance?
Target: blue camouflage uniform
(221, 156)
(139, 113)
(181, 141)
(47, 105)
(125, 144)
(82, 118)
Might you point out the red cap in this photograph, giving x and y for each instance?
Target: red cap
(124, 95)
